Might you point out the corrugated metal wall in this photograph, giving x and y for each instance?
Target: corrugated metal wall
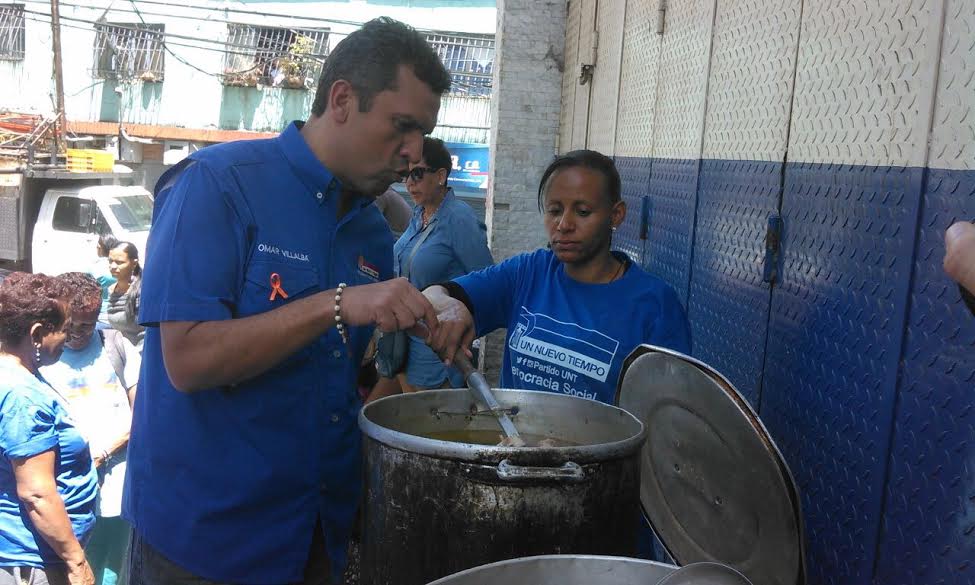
(853, 121)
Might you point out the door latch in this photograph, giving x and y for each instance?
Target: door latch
(644, 217)
(585, 73)
(587, 70)
(773, 243)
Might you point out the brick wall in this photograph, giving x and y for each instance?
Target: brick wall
(524, 128)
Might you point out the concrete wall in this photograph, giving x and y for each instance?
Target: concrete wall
(524, 126)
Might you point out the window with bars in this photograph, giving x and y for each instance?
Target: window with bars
(130, 51)
(11, 32)
(469, 59)
(278, 57)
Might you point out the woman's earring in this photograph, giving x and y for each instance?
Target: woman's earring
(614, 228)
(37, 353)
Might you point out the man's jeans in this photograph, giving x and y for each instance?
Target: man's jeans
(147, 566)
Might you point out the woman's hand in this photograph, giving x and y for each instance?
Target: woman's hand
(456, 330)
(80, 573)
(959, 260)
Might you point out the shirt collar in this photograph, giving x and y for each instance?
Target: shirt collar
(320, 181)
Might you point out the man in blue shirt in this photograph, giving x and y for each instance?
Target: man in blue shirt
(264, 280)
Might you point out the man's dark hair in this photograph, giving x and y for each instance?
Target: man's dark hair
(369, 60)
(84, 294)
(588, 159)
(436, 155)
(26, 299)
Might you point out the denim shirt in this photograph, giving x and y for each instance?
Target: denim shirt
(457, 245)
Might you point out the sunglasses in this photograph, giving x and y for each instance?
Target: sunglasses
(417, 173)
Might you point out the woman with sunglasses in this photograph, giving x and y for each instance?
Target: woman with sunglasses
(444, 240)
(573, 311)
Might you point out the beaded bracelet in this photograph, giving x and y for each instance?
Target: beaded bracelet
(338, 315)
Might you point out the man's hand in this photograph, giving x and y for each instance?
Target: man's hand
(392, 305)
(456, 331)
(210, 354)
(959, 260)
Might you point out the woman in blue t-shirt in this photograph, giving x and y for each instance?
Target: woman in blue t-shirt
(573, 311)
(47, 479)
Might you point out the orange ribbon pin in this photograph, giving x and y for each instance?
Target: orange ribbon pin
(276, 287)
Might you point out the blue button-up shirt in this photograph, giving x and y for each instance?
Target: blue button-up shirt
(228, 482)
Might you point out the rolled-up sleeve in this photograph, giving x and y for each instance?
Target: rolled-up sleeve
(491, 292)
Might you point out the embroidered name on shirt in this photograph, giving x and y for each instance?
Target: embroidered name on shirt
(269, 249)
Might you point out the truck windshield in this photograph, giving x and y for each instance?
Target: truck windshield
(134, 212)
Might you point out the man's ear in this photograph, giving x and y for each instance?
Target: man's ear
(619, 213)
(341, 100)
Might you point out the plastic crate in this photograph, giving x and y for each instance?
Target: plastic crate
(90, 161)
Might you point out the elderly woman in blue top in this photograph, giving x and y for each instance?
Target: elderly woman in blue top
(574, 311)
(444, 240)
(47, 478)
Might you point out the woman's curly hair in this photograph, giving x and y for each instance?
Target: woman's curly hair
(81, 291)
(26, 299)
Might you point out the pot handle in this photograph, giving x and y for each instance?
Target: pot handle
(570, 471)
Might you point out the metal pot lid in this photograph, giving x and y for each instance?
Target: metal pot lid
(712, 483)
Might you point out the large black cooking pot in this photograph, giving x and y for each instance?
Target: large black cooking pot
(434, 507)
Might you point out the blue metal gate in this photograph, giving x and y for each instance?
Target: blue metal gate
(854, 122)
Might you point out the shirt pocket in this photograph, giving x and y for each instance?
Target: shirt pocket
(272, 284)
(259, 295)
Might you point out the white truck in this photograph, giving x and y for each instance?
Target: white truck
(50, 220)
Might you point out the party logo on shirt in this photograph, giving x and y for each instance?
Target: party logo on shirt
(566, 345)
(368, 269)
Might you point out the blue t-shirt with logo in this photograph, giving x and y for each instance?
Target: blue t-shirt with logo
(568, 336)
(33, 420)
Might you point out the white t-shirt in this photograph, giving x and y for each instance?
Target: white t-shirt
(99, 405)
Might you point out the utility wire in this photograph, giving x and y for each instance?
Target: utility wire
(175, 44)
(170, 51)
(225, 47)
(464, 35)
(248, 50)
(161, 33)
(196, 18)
(218, 9)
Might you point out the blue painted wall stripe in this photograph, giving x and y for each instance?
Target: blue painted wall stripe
(841, 318)
(928, 529)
